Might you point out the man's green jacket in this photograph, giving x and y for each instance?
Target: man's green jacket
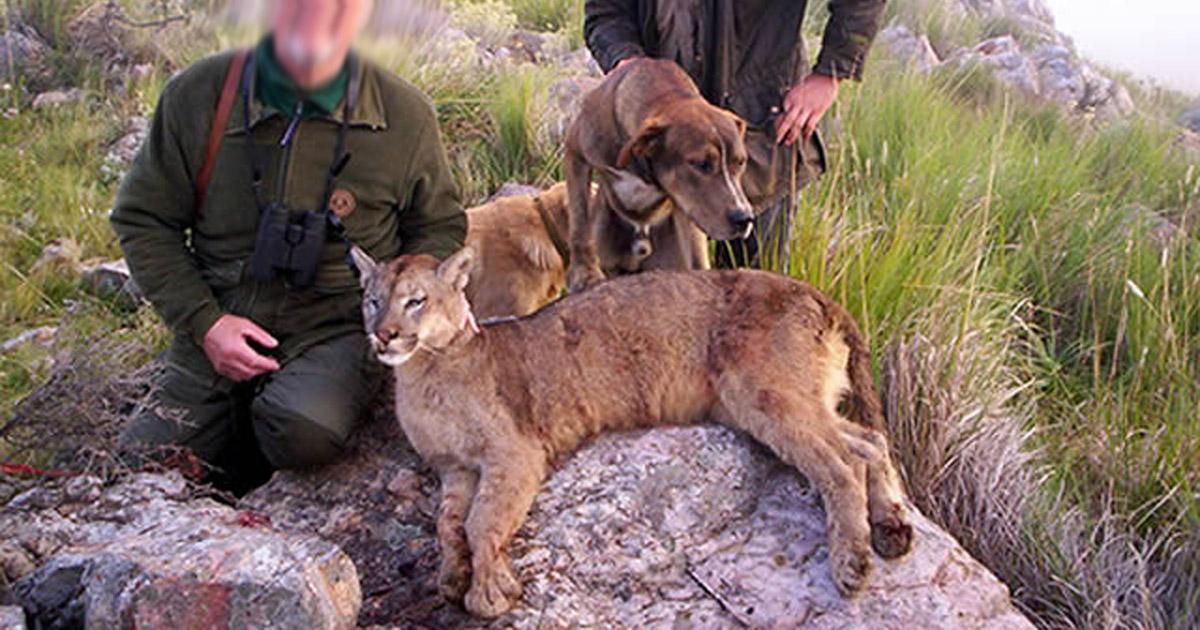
(396, 196)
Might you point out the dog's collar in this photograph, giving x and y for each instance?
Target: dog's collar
(560, 245)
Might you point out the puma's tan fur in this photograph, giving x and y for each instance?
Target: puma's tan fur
(492, 408)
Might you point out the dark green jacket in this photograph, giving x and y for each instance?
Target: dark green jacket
(192, 262)
(743, 55)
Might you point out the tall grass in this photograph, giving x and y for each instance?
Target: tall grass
(1041, 330)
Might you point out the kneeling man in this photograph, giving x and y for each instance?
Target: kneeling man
(239, 237)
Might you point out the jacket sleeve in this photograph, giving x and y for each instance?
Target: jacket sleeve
(433, 222)
(151, 216)
(611, 30)
(848, 35)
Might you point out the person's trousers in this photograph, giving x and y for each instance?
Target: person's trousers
(297, 417)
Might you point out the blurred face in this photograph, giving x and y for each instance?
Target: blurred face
(313, 37)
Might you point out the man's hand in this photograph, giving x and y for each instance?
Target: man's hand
(804, 106)
(227, 345)
(623, 62)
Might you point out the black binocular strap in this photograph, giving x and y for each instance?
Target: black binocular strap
(340, 157)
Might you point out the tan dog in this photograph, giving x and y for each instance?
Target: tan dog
(521, 253)
(657, 146)
(491, 408)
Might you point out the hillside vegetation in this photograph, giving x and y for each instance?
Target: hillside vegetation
(1029, 279)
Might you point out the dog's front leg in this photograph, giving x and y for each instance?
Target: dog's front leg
(584, 269)
(458, 491)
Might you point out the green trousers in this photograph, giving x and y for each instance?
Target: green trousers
(297, 417)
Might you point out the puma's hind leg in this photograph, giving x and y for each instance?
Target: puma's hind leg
(802, 433)
(891, 533)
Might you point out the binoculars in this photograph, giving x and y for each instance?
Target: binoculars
(289, 245)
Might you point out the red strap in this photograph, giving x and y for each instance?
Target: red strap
(220, 120)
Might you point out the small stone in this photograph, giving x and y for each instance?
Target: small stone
(514, 189)
(112, 280)
(57, 98)
(60, 256)
(42, 336)
(12, 618)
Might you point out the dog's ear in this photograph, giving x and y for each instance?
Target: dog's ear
(634, 193)
(364, 263)
(457, 268)
(740, 122)
(644, 144)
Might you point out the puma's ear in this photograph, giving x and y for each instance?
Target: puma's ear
(644, 144)
(457, 269)
(363, 261)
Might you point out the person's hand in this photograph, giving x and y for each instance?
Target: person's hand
(804, 106)
(623, 62)
(227, 345)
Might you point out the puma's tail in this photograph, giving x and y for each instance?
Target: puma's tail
(861, 400)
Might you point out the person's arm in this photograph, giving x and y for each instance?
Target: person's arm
(433, 222)
(153, 211)
(612, 33)
(848, 35)
(151, 216)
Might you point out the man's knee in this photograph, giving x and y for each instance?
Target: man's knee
(293, 437)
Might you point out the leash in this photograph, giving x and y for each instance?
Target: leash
(560, 245)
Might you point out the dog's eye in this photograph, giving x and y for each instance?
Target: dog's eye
(739, 162)
(705, 166)
(414, 303)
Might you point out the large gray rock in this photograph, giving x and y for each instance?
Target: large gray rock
(909, 48)
(145, 551)
(564, 100)
(689, 527)
(24, 55)
(1191, 118)
(1001, 56)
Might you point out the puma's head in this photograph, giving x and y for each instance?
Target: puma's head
(415, 303)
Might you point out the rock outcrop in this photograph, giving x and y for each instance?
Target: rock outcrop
(147, 552)
(694, 527)
(1033, 59)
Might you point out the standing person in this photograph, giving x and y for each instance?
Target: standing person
(749, 56)
(269, 367)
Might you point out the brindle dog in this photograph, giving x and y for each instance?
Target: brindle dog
(657, 146)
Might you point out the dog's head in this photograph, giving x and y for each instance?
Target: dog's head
(698, 155)
(414, 303)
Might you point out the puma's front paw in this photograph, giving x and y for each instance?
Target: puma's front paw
(851, 566)
(581, 277)
(492, 593)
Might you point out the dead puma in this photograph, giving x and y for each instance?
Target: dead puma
(490, 409)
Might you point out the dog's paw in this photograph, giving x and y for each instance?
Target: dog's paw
(492, 594)
(851, 566)
(580, 278)
(892, 536)
(453, 580)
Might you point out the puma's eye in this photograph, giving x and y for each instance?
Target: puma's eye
(414, 303)
(373, 304)
(705, 166)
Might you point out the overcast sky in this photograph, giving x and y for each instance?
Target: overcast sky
(1155, 38)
